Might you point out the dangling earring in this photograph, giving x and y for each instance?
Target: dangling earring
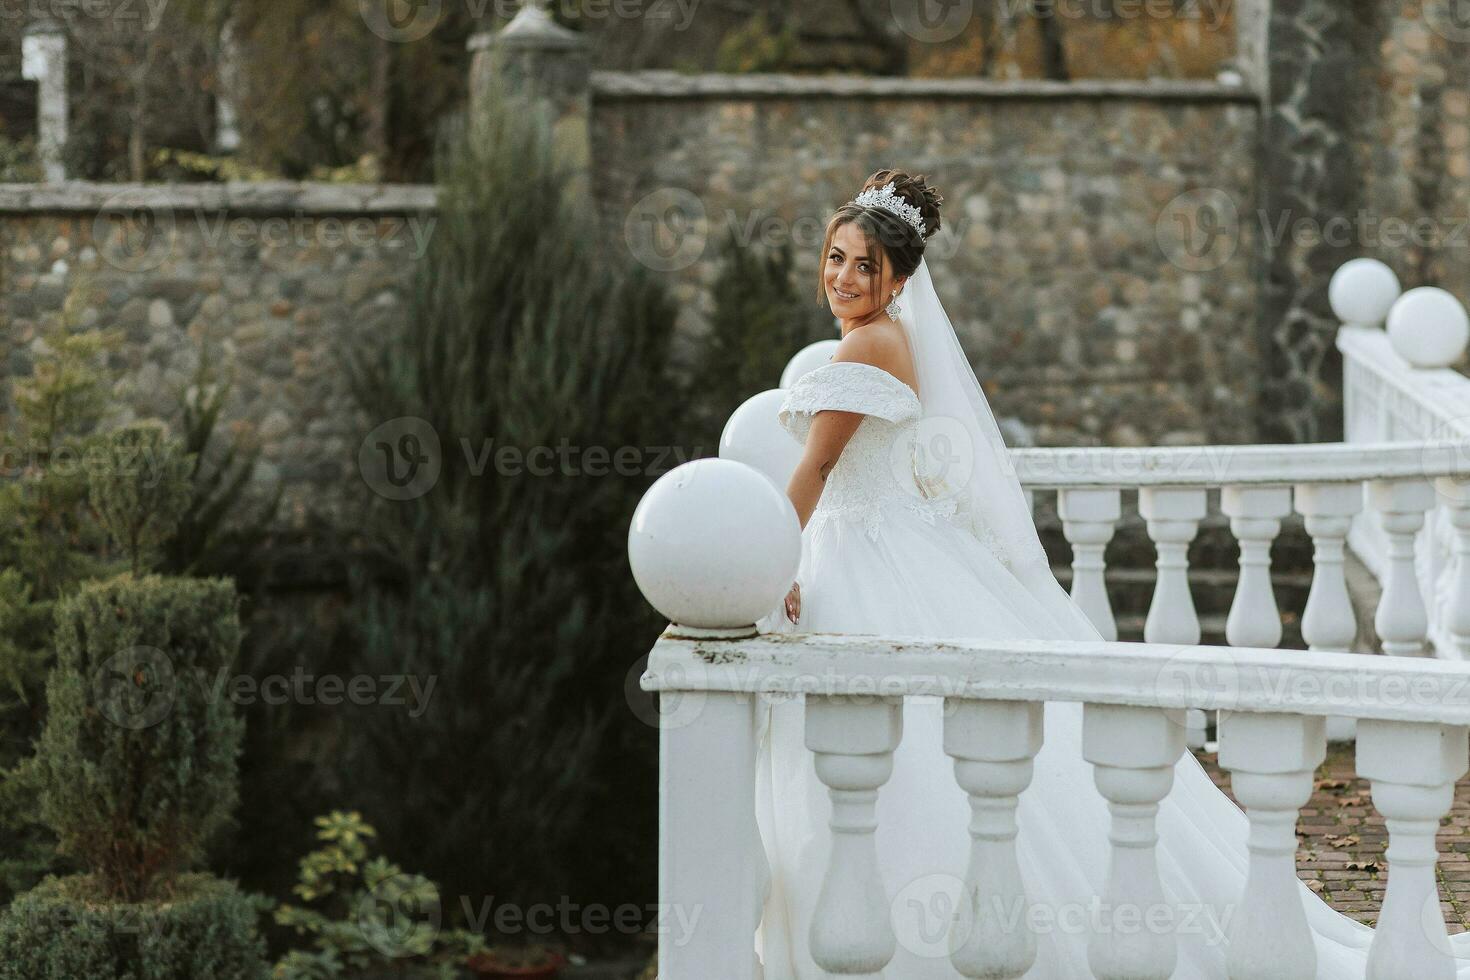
(893, 309)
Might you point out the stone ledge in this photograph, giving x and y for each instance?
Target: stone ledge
(268, 197)
(666, 84)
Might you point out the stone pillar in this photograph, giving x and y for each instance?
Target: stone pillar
(226, 117)
(43, 61)
(535, 56)
(1252, 21)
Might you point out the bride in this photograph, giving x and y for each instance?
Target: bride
(912, 524)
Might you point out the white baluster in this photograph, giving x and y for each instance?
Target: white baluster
(1255, 519)
(1271, 758)
(1088, 519)
(1413, 768)
(853, 739)
(1173, 517)
(1456, 496)
(993, 743)
(1328, 622)
(1133, 751)
(1401, 619)
(709, 840)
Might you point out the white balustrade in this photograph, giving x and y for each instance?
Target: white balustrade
(1413, 717)
(1456, 497)
(1413, 767)
(1089, 517)
(853, 741)
(1387, 398)
(1255, 518)
(1401, 621)
(725, 883)
(1271, 758)
(1259, 485)
(1173, 515)
(1328, 623)
(1133, 751)
(993, 744)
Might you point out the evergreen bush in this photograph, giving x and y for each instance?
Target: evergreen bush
(52, 538)
(511, 587)
(136, 765)
(760, 320)
(200, 927)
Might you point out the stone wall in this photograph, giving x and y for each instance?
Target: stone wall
(1060, 259)
(1126, 262)
(1414, 145)
(272, 281)
(1366, 152)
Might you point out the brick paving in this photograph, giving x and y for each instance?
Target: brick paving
(1341, 839)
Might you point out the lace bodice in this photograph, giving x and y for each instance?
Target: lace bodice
(876, 469)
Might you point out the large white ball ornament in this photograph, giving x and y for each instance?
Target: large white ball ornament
(809, 358)
(754, 436)
(714, 545)
(1428, 327)
(1362, 291)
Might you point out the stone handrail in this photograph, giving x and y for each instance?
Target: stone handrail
(243, 197)
(1329, 484)
(1412, 717)
(1385, 398)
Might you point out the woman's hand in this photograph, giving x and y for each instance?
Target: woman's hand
(793, 603)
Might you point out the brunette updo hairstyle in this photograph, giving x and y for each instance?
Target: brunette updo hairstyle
(897, 241)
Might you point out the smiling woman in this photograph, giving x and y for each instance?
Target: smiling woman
(856, 271)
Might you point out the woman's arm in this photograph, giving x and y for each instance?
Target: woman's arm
(831, 429)
(829, 435)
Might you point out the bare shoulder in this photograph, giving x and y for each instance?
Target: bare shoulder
(882, 345)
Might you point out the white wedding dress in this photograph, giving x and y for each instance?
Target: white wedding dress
(879, 557)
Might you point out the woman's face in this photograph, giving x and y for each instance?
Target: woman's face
(854, 288)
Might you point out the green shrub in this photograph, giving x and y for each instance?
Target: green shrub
(136, 765)
(52, 539)
(365, 913)
(511, 588)
(138, 486)
(18, 160)
(200, 927)
(50, 542)
(222, 530)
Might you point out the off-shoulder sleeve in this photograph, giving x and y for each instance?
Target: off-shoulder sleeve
(846, 386)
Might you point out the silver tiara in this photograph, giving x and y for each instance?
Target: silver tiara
(884, 197)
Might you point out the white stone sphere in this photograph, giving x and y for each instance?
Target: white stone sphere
(809, 358)
(754, 436)
(714, 545)
(1362, 291)
(1428, 327)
